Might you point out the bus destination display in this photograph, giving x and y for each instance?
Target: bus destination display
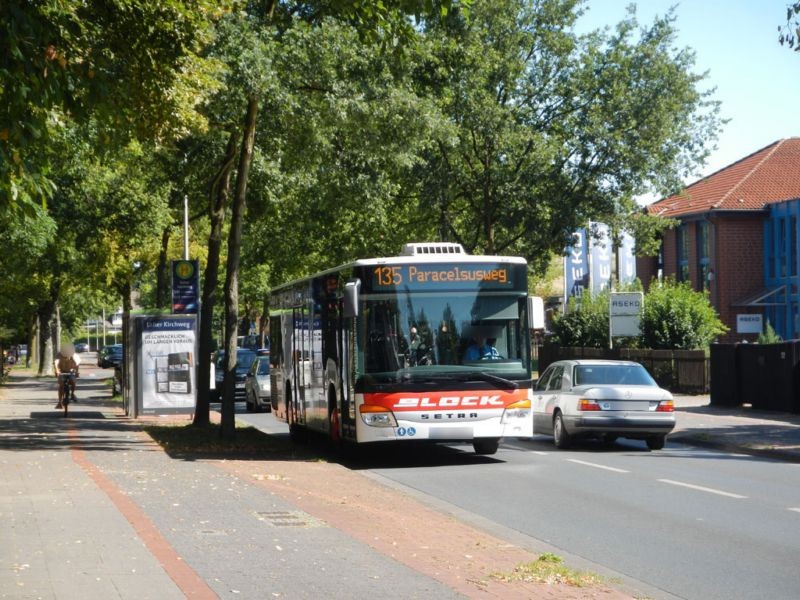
(441, 276)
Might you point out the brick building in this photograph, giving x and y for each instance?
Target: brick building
(738, 238)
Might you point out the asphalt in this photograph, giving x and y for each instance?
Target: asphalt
(93, 509)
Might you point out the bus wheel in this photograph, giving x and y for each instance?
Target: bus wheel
(297, 434)
(336, 436)
(486, 445)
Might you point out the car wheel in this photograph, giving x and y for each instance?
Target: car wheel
(485, 445)
(250, 407)
(656, 442)
(609, 438)
(560, 434)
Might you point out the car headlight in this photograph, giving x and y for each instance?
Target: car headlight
(265, 387)
(517, 410)
(377, 416)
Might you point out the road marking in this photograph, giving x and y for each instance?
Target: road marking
(702, 489)
(795, 509)
(596, 466)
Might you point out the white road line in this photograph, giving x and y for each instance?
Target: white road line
(795, 509)
(596, 466)
(702, 489)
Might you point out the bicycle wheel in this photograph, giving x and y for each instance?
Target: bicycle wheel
(67, 396)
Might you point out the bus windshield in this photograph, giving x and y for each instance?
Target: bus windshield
(432, 336)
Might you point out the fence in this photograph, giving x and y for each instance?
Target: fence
(765, 376)
(677, 370)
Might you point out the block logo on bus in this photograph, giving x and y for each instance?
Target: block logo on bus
(473, 400)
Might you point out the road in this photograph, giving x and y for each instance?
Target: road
(690, 523)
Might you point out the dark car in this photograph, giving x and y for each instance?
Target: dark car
(244, 359)
(81, 347)
(110, 356)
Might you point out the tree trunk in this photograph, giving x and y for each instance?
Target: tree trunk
(228, 428)
(33, 347)
(46, 355)
(46, 314)
(218, 195)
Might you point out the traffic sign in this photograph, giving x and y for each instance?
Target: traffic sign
(185, 286)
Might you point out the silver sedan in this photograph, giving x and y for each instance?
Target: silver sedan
(257, 386)
(605, 399)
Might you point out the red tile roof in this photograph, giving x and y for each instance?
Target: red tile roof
(767, 176)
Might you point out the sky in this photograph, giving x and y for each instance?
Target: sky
(736, 41)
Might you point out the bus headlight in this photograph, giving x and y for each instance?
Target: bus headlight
(377, 416)
(517, 410)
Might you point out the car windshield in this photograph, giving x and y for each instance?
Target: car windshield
(263, 367)
(612, 375)
(244, 359)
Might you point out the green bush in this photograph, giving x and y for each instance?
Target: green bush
(677, 317)
(769, 336)
(585, 323)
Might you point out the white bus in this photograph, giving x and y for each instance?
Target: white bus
(379, 349)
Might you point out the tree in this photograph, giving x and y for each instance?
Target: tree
(789, 33)
(128, 64)
(263, 33)
(677, 317)
(548, 129)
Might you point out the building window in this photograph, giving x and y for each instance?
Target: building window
(683, 253)
(703, 255)
(793, 246)
(782, 250)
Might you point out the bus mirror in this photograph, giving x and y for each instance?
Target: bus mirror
(535, 312)
(351, 289)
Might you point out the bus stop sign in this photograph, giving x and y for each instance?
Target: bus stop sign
(185, 286)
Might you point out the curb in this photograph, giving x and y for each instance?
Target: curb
(703, 440)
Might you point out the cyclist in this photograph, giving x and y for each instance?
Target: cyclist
(66, 361)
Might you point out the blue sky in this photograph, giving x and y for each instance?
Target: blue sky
(736, 41)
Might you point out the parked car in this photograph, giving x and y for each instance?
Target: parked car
(244, 360)
(81, 347)
(256, 385)
(605, 399)
(109, 356)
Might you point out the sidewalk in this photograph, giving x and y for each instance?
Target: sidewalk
(93, 509)
(737, 429)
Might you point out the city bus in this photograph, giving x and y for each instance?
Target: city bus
(378, 350)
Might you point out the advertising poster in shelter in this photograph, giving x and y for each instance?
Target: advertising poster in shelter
(167, 365)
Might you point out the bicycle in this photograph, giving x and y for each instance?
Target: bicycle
(68, 393)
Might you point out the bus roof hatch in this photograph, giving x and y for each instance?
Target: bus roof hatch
(416, 249)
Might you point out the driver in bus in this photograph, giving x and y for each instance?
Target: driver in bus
(481, 349)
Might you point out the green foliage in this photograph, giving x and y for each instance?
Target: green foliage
(549, 129)
(585, 323)
(769, 336)
(677, 317)
(129, 64)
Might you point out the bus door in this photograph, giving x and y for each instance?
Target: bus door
(301, 360)
(316, 381)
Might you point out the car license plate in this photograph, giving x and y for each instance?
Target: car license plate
(239, 385)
